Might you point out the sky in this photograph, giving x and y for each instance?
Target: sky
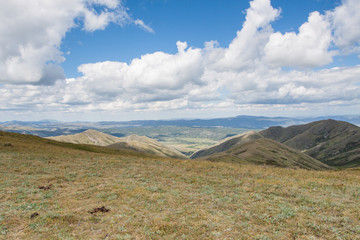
(113, 60)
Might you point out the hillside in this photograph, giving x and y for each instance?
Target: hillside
(146, 145)
(135, 143)
(263, 151)
(334, 143)
(55, 190)
(88, 137)
(227, 143)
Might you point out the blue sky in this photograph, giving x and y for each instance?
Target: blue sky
(155, 59)
(172, 20)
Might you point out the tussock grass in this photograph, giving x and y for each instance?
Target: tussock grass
(160, 198)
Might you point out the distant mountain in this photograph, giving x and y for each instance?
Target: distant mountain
(248, 122)
(227, 143)
(335, 143)
(47, 128)
(263, 151)
(146, 145)
(241, 121)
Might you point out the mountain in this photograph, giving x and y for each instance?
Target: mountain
(88, 137)
(227, 143)
(146, 145)
(335, 143)
(263, 151)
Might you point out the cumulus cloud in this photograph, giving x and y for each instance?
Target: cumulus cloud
(308, 48)
(153, 77)
(345, 21)
(244, 49)
(31, 33)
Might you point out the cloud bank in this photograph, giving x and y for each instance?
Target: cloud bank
(260, 68)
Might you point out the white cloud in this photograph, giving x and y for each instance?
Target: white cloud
(246, 47)
(308, 48)
(346, 21)
(31, 33)
(141, 23)
(157, 76)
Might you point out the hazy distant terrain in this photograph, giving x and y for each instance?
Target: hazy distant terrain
(49, 128)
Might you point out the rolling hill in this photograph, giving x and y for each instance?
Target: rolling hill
(334, 143)
(88, 137)
(146, 145)
(227, 143)
(135, 143)
(255, 149)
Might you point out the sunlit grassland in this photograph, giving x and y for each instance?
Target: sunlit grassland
(160, 198)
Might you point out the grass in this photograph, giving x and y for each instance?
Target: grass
(160, 198)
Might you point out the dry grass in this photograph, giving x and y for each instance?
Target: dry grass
(159, 198)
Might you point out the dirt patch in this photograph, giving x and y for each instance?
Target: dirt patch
(34, 215)
(101, 209)
(46, 187)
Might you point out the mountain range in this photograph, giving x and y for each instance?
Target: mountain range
(48, 128)
(264, 151)
(335, 143)
(330, 142)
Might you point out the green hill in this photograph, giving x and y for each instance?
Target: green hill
(334, 143)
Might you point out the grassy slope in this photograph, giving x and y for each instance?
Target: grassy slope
(160, 198)
(133, 142)
(88, 137)
(265, 151)
(227, 143)
(146, 145)
(335, 143)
